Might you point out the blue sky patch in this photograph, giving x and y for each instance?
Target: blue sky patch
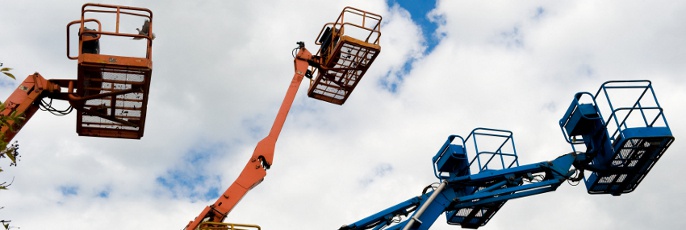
(539, 13)
(189, 178)
(512, 38)
(69, 190)
(187, 184)
(6, 82)
(379, 171)
(418, 12)
(105, 192)
(395, 78)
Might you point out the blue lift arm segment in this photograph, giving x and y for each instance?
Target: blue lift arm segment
(470, 201)
(621, 142)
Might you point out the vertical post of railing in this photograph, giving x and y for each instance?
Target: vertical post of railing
(116, 29)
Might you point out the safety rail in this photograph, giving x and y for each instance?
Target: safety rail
(347, 49)
(492, 149)
(368, 24)
(470, 198)
(494, 144)
(114, 101)
(227, 226)
(625, 145)
(92, 9)
(641, 110)
(111, 90)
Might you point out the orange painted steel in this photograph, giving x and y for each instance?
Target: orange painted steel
(340, 63)
(114, 101)
(348, 48)
(227, 226)
(255, 170)
(23, 101)
(110, 92)
(113, 89)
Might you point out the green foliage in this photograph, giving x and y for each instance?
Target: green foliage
(6, 224)
(6, 71)
(7, 150)
(10, 152)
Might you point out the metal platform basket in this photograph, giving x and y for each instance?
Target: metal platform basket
(112, 89)
(347, 49)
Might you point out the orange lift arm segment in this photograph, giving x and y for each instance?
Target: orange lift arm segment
(334, 71)
(255, 170)
(24, 102)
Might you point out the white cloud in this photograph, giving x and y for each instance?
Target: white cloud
(221, 70)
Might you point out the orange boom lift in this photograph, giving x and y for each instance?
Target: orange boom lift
(347, 49)
(110, 93)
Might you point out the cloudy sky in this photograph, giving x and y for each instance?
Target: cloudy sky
(221, 69)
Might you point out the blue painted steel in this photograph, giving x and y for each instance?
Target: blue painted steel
(488, 191)
(492, 149)
(618, 150)
(433, 210)
(623, 146)
(387, 216)
(471, 200)
(451, 159)
(492, 144)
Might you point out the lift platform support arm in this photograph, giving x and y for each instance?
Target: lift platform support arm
(262, 158)
(616, 142)
(24, 102)
(110, 92)
(471, 200)
(347, 48)
(28, 96)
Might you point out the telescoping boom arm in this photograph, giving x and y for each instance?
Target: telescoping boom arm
(614, 142)
(347, 49)
(255, 170)
(25, 101)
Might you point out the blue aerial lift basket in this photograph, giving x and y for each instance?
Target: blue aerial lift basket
(617, 134)
(624, 132)
(493, 150)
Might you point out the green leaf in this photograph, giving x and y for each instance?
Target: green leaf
(10, 75)
(11, 156)
(6, 72)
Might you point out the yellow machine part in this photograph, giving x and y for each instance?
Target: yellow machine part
(227, 226)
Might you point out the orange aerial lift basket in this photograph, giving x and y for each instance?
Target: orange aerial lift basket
(347, 49)
(113, 79)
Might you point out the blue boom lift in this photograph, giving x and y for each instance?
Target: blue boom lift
(617, 135)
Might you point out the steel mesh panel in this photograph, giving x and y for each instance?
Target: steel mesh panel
(475, 216)
(346, 67)
(115, 102)
(634, 159)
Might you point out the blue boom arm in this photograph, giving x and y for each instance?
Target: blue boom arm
(615, 142)
(472, 200)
